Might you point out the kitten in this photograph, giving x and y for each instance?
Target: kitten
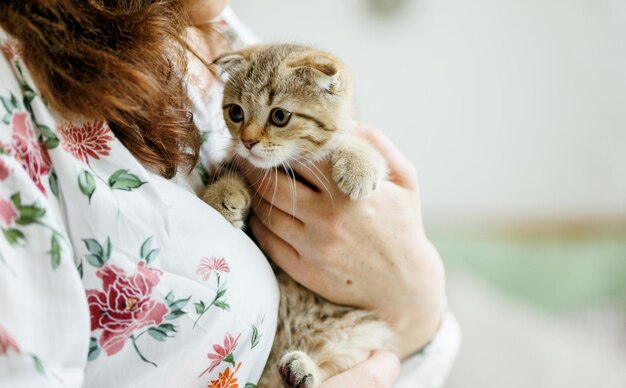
(286, 104)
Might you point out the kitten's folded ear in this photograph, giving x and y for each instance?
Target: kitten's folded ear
(319, 69)
(230, 63)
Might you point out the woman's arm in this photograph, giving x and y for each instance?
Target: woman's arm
(372, 253)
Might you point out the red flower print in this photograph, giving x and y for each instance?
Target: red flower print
(11, 49)
(88, 140)
(7, 212)
(7, 342)
(207, 265)
(124, 305)
(226, 379)
(4, 170)
(33, 155)
(222, 353)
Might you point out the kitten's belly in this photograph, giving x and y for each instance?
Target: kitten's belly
(335, 337)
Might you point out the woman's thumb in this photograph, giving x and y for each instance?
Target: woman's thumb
(379, 371)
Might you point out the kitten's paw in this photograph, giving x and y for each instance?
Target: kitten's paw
(355, 176)
(234, 207)
(298, 370)
(231, 199)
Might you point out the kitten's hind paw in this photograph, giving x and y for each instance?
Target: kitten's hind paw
(298, 370)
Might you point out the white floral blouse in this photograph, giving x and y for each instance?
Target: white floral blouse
(112, 276)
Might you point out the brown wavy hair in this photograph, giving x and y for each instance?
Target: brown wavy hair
(118, 60)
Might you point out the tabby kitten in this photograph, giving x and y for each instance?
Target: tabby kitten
(292, 104)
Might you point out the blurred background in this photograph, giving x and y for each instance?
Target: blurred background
(514, 112)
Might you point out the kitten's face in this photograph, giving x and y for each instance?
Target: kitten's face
(284, 103)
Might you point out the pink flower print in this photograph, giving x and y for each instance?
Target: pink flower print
(7, 342)
(33, 155)
(4, 170)
(11, 49)
(125, 305)
(7, 212)
(222, 353)
(207, 265)
(89, 140)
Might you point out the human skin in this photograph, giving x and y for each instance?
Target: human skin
(203, 11)
(371, 253)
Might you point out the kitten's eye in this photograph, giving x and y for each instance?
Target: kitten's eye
(280, 117)
(235, 113)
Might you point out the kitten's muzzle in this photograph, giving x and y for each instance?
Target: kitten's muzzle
(250, 143)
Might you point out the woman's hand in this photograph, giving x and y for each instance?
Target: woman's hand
(379, 371)
(371, 253)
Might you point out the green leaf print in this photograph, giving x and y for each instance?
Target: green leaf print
(205, 177)
(14, 101)
(169, 298)
(98, 254)
(53, 180)
(52, 141)
(146, 252)
(13, 236)
(179, 304)
(28, 214)
(87, 183)
(162, 332)
(94, 349)
(6, 119)
(16, 199)
(55, 250)
(175, 306)
(157, 334)
(38, 365)
(123, 180)
(8, 104)
(29, 96)
(256, 337)
(200, 307)
(249, 385)
(223, 305)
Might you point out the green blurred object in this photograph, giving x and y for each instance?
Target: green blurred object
(385, 6)
(555, 271)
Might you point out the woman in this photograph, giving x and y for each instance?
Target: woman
(114, 274)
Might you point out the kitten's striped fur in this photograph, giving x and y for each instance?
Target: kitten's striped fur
(315, 339)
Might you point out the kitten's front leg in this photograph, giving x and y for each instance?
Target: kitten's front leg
(229, 195)
(357, 168)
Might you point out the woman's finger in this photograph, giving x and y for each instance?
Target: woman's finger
(379, 371)
(275, 247)
(401, 170)
(284, 225)
(281, 253)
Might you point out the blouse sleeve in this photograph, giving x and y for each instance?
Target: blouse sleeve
(430, 367)
(44, 322)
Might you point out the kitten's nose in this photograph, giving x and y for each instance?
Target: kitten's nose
(249, 143)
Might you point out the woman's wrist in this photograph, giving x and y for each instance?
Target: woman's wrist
(419, 319)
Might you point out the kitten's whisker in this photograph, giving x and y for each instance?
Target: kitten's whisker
(225, 163)
(332, 200)
(257, 193)
(292, 188)
(301, 156)
(273, 197)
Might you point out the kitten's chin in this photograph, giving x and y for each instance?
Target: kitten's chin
(260, 162)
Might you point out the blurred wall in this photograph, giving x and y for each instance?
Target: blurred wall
(511, 109)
